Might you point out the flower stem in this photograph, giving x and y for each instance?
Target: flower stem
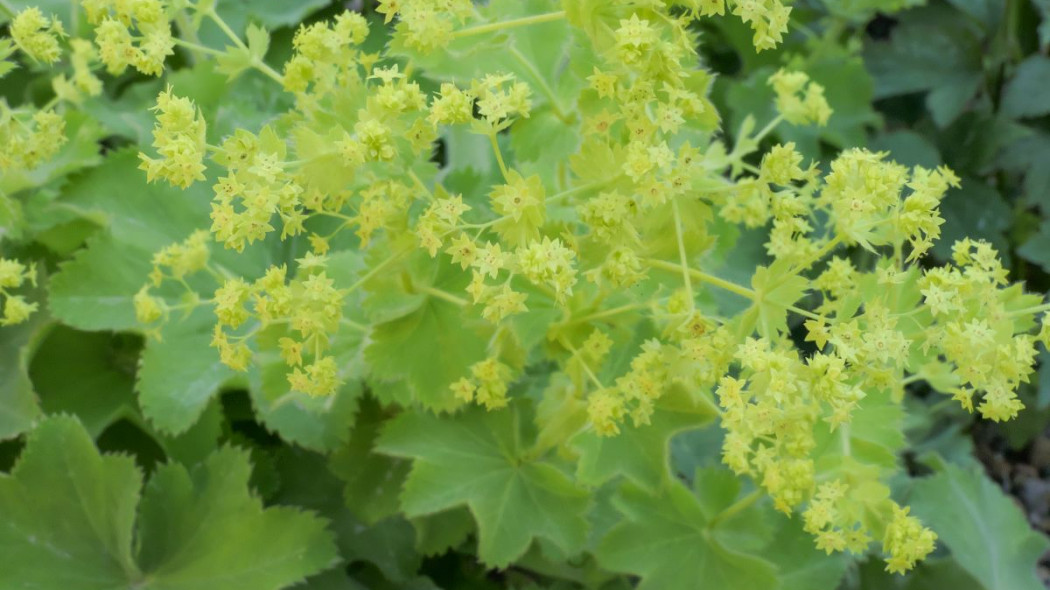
(509, 24)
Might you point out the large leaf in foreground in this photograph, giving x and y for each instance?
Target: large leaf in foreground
(69, 520)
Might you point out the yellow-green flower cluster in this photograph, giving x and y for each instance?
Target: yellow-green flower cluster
(256, 187)
(13, 275)
(906, 541)
(83, 83)
(500, 100)
(177, 261)
(174, 262)
(487, 385)
(770, 414)
(521, 204)
(840, 513)
(134, 33)
(37, 35)
(799, 100)
(425, 25)
(325, 59)
(179, 137)
(440, 218)
(835, 517)
(307, 309)
(973, 333)
(29, 137)
(549, 263)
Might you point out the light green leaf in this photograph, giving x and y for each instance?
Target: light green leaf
(987, 534)
(775, 290)
(477, 459)
(430, 349)
(258, 41)
(234, 61)
(180, 373)
(667, 541)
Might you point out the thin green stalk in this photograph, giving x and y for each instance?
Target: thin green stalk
(444, 295)
(682, 260)
(510, 24)
(499, 156)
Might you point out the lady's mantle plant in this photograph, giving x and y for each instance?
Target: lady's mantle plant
(548, 299)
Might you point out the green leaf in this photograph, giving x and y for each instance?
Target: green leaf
(68, 512)
(933, 49)
(775, 291)
(70, 520)
(388, 544)
(1037, 247)
(180, 373)
(88, 374)
(988, 13)
(18, 402)
(93, 291)
(477, 459)
(975, 211)
(799, 563)
(437, 533)
(1043, 7)
(372, 480)
(667, 540)
(429, 349)
(1025, 93)
(641, 453)
(908, 148)
(1025, 157)
(987, 534)
(189, 518)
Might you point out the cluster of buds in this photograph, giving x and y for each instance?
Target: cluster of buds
(179, 137)
(14, 274)
(307, 309)
(134, 33)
